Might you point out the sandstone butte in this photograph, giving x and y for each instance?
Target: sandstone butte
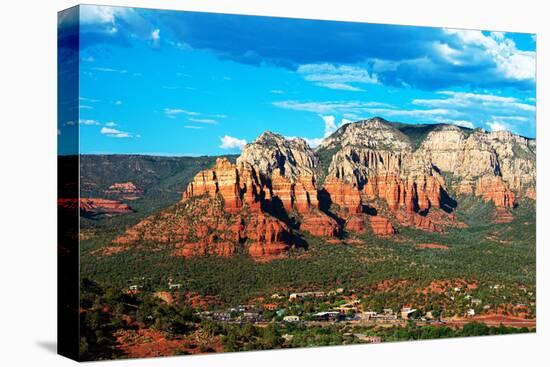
(93, 206)
(375, 181)
(124, 190)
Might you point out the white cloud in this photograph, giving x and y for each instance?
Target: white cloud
(155, 37)
(276, 91)
(89, 122)
(330, 125)
(499, 36)
(114, 133)
(110, 123)
(448, 53)
(497, 126)
(337, 77)
(463, 123)
(328, 107)
(203, 121)
(463, 99)
(229, 142)
(341, 86)
(450, 107)
(85, 107)
(193, 127)
(98, 14)
(107, 18)
(91, 100)
(506, 111)
(414, 113)
(314, 142)
(173, 112)
(87, 58)
(109, 70)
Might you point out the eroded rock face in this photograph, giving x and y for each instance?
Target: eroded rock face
(356, 223)
(269, 236)
(271, 152)
(345, 195)
(305, 194)
(223, 179)
(381, 226)
(494, 189)
(319, 224)
(475, 154)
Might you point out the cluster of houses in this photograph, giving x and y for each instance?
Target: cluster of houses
(241, 313)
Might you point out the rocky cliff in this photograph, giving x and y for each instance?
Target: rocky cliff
(371, 176)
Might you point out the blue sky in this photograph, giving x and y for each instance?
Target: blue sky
(187, 83)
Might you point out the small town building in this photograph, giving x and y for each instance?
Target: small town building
(270, 306)
(291, 318)
(406, 312)
(328, 316)
(294, 296)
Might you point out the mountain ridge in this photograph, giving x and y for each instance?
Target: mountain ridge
(377, 181)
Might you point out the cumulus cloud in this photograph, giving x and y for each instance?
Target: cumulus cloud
(330, 125)
(497, 126)
(110, 124)
(463, 123)
(111, 24)
(507, 59)
(337, 55)
(230, 142)
(114, 133)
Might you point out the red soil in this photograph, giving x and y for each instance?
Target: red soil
(165, 296)
(145, 343)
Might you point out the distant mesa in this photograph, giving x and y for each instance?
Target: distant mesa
(90, 207)
(372, 176)
(124, 191)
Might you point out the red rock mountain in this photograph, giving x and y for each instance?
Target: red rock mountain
(375, 180)
(95, 206)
